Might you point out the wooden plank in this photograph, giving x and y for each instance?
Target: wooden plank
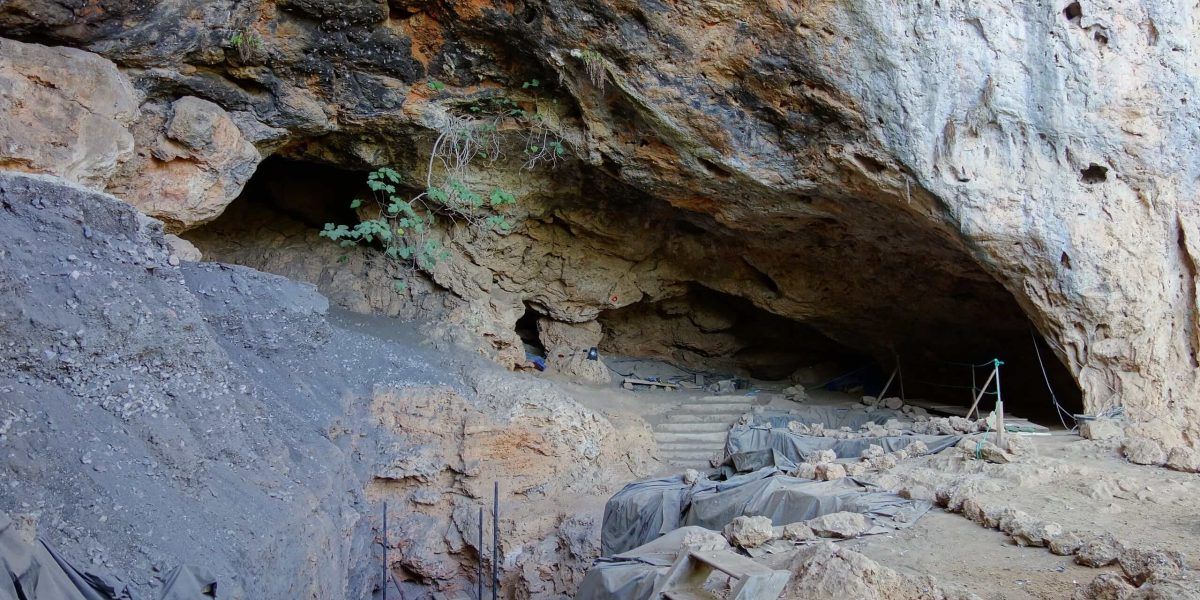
(632, 381)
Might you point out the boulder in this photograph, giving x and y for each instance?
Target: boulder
(1144, 564)
(577, 367)
(805, 470)
(797, 532)
(1101, 428)
(192, 161)
(1144, 451)
(841, 525)
(1182, 458)
(825, 456)
(1065, 543)
(830, 471)
(1106, 586)
(1098, 551)
(749, 532)
(182, 249)
(66, 112)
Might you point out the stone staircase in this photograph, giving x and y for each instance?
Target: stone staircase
(694, 430)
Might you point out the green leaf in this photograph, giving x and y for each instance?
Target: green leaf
(436, 85)
(354, 204)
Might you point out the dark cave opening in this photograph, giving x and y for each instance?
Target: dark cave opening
(527, 330)
(722, 334)
(309, 192)
(717, 332)
(835, 291)
(286, 201)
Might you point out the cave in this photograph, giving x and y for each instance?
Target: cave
(850, 300)
(527, 329)
(300, 191)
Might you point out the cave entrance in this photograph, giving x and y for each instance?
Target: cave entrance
(722, 335)
(527, 330)
(291, 191)
(273, 224)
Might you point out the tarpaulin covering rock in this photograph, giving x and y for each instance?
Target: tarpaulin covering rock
(799, 448)
(770, 493)
(633, 574)
(34, 571)
(645, 510)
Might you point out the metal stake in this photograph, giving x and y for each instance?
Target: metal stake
(479, 571)
(495, 539)
(385, 557)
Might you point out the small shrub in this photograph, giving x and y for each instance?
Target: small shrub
(399, 223)
(247, 42)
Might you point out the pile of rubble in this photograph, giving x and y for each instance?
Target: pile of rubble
(921, 424)
(1143, 570)
(751, 533)
(825, 465)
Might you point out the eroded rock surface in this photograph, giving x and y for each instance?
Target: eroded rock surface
(160, 412)
(960, 169)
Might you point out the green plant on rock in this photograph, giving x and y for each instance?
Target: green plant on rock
(399, 223)
(593, 65)
(247, 42)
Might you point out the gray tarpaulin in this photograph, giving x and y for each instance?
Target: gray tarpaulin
(34, 571)
(832, 417)
(783, 499)
(632, 575)
(800, 448)
(644, 510)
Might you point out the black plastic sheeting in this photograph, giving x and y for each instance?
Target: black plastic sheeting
(645, 510)
(36, 572)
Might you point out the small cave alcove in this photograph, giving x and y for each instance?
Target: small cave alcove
(527, 329)
(284, 198)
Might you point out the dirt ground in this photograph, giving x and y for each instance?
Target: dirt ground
(963, 555)
(1083, 485)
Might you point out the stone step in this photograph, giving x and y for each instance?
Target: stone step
(692, 427)
(688, 445)
(715, 408)
(686, 417)
(716, 437)
(742, 400)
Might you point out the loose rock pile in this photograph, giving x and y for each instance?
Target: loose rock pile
(1142, 568)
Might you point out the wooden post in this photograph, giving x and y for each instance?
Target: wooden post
(888, 384)
(999, 410)
(982, 391)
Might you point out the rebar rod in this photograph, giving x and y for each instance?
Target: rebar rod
(495, 540)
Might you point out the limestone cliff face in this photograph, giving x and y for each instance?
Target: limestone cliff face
(901, 176)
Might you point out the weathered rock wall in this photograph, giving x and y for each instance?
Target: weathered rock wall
(892, 173)
(158, 413)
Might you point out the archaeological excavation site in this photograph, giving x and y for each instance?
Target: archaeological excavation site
(599, 299)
